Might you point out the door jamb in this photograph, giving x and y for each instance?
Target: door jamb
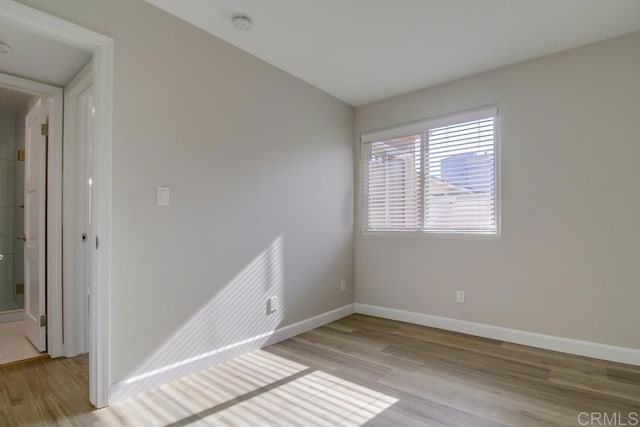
(76, 292)
(102, 49)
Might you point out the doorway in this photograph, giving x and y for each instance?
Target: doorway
(31, 146)
(16, 110)
(58, 36)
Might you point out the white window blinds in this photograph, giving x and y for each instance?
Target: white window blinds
(437, 176)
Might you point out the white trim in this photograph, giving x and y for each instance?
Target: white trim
(75, 295)
(420, 126)
(55, 346)
(612, 353)
(54, 106)
(497, 155)
(298, 328)
(100, 300)
(144, 382)
(435, 122)
(49, 26)
(412, 234)
(12, 316)
(101, 46)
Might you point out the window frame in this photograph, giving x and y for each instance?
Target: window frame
(419, 126)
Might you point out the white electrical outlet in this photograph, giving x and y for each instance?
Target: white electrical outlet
(272, 305)
(162, 196)
(460, 297)
(343, 285)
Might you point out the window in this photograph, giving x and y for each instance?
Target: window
(436, 176)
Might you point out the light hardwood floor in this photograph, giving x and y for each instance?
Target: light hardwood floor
(358, 370)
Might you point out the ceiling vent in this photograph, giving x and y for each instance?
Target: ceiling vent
(242, 22)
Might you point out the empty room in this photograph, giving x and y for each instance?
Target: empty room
(319, 213)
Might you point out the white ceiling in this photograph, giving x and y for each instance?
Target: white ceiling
(12, 103)
(38, 58)
(365, 50)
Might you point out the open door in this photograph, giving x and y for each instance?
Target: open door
(35, 320)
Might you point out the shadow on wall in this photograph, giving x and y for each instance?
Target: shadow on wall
(235, 321)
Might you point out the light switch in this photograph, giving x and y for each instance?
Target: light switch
(162, 196)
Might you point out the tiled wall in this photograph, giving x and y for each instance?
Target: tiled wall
(7, 211)
(11, 215)
(18, 217)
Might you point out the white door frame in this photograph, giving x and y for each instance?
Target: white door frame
(54, 203)
(102, 49)
(73, 248)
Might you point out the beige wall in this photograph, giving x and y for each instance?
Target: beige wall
(260, 166)
(260, 169)
(567, 261)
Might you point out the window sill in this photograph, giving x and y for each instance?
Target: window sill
(431, 235)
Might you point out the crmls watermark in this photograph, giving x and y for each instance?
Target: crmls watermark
(609, 419)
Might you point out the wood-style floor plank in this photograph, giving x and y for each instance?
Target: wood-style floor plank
(359, 370)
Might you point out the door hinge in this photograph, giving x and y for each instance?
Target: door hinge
(43, 321)
(44, 129)
(97, 242)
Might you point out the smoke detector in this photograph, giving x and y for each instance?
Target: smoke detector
(4, 47)
(242, 22)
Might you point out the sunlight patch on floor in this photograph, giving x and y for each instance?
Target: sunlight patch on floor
(318, 399)
(255, 389)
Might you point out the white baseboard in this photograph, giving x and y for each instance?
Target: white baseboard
(150, 380)
(12, 316)
(310, 323)
(566, 345)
